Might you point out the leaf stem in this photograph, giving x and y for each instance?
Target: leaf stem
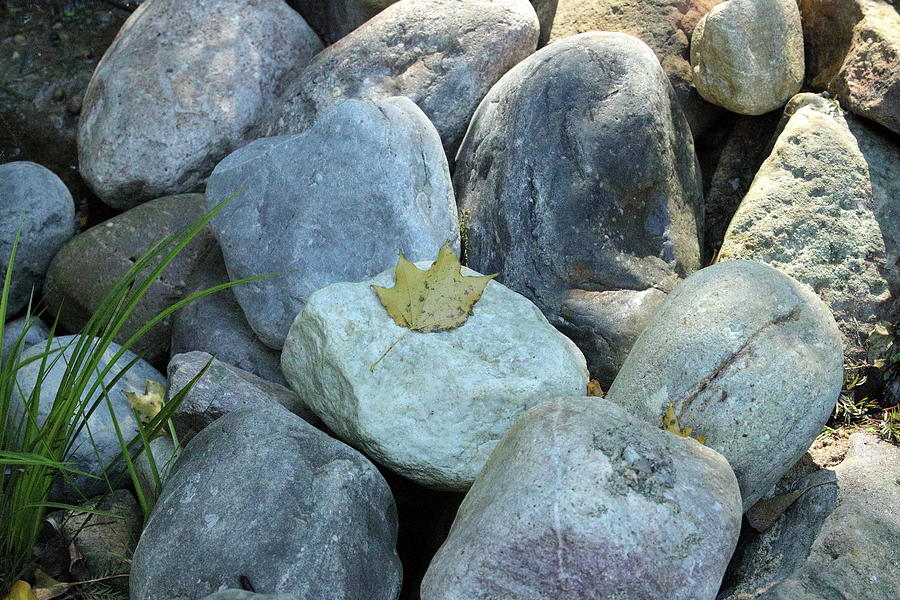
(385, 353)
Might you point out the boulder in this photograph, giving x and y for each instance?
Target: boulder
(222, 389)
(217, 325)
(664, 25)
(164, 454)
(444, 55)
(436, 404)
(87, 267)
(749, 357)
(852, 49)
(321, 208)
(811, 214)
(580, 500)
(837, 540)
(579, 185)
(180, 87)
(747, 55)
(35, 204)
(260, 495)
(97, 444)
(37, 332)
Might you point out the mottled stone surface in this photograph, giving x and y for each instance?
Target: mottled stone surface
(263, 495)
(747, 55)
(749, 357)
(853, 48)
(437, 403)
(12, 331)
(811, 213)
(180, 87)
(35, 204)
(442, 54)
(86, 268)
(664, 25)
(335, 203)
(580, 500)
(580, 187)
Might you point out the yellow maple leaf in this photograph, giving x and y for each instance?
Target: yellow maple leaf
(148, 404)
(670, 424)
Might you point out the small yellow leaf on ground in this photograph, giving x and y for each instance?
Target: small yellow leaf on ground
(594, 389)
(150, 403)
(670, 424)
(20, 590)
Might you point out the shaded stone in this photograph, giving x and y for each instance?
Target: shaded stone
(434, 407)
(260, 494)
(222, 389)
(217, 325)
(12, 331)
(664, 25)
(852, 49)
(810, 213)
(316, 206)
(747, 55)
(86, 268)
(35, 204)
(215, 68)
(597, 216)
(580, 500)
(444, 55)
(749, 358)
(164, 456)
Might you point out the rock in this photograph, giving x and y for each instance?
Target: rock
(97, 445)
(747, 55)
(222, 389)
(852, 49)
(217, 325)
(579, 500)
(436, 405)
(104, 541)
(35, 203)
(61, 42)
(164, 456)
(317, 206)
(444, 55)
(263, 495)
(815, 181)
(216, 68)
(749, 357)
(12, 331)
(333, 19)
(744, 150)
(234, 594)
(86, 268)
(836, 540)
(598, 215)
(664, 25)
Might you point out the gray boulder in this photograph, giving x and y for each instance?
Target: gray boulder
(838, 540)
(222, 389)
(34, 199)
(580, 500)
(180, 87)
(442, 54)
(12, 331)
(333, 204)
(217, 325)
(810, 213)
(436, 405)
(97, 445)
(164, 454)
(579, 185)
(263, 495)
(86, 268)
(749, 357)
(235, 594)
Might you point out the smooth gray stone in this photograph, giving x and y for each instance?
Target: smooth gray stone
(180, 87)
(87, 267)
(262, 494)
(234, 594)
(332, 204)
(217, 325)
(222, 389)
(37, 332)
(33, 198)
(164, 456)
(838, 540)
(582, 500)
(444, 55)
(97, 445)
(580, 187)
(749, 357)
